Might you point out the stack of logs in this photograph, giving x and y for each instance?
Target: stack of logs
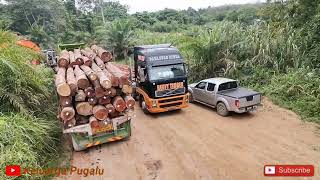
(92, 89)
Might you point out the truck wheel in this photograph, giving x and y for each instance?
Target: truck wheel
(143, 105)
(76, 147)
(222, 109)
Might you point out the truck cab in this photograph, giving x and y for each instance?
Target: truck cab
(160, 77)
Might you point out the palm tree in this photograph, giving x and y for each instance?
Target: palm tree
(119, 37)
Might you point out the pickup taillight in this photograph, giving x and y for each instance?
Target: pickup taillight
(237, 103)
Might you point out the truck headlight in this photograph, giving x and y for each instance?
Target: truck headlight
(154, 103)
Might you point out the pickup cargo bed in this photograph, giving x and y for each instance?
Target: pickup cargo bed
(238, 93)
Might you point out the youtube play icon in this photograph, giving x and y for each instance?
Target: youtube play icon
(13, 170)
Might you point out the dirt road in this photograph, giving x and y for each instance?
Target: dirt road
(196, 143)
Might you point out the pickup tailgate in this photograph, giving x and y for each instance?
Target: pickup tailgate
(250, 100)
(246, 97)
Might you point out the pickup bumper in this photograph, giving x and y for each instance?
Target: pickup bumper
(246, 109)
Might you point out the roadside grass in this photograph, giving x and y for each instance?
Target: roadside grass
(29, 131)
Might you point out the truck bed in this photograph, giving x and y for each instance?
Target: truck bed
(238, 93)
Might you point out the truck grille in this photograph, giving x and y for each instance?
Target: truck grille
(170, 92)
(170, 100)
(170, 105)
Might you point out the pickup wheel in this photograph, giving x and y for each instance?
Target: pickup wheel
(222, 109)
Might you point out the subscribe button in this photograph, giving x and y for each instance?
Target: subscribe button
(289, 170)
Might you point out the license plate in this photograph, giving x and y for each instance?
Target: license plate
(106, 128)
(251, 108)
(172, 108)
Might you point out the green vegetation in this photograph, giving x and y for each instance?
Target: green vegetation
(29, 131)
(272, 47)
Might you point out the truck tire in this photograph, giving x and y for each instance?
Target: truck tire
(222, 109)
(75, 146)
(143, 105)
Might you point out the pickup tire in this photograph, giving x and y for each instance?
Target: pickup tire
(222, 109)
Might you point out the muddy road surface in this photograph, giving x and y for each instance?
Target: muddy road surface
(196, 143)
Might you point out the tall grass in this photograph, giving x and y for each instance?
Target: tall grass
(29, 131)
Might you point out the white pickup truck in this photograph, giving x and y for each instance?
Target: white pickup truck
(225, 95)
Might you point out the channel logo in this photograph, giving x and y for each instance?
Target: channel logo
(289, 170)
(269, 170)
(13, 170)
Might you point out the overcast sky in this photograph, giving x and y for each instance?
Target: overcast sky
(154, 5)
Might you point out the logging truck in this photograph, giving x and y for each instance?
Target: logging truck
(160, 79)
(95, 102)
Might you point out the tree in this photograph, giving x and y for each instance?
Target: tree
(119, 37)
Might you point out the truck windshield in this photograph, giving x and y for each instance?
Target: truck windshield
(167, 72)
(228, 85)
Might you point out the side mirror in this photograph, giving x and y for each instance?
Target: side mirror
(141, 74)
(186, 67)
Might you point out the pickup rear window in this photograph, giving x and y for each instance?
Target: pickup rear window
(228, 85)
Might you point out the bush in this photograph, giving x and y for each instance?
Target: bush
(29, 131)
(297, 90)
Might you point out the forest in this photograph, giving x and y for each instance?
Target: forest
(272, 47)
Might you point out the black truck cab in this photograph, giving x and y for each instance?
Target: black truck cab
(160, 76)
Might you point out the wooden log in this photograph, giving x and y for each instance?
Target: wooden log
(113, 92)
(63, 60)
(71, 80)
(80, 96)
(94, 122)
(89, 54)
(130, 102)
(63, 89)
(119, 104)
(114, 115)
(67, 114)
(84, 108)
(114, 80)
(105, 56)
(65, 101)
(110, 108)
(122, 77)
(98, 89)
(87, 61)
(127, 89)
(100, 112)
(108, 92)
(89, 72)
(92, 54)
(82, 81)
(72, 59)
(89, 92)
(104, 100)
(81, 119)
(78, 57)
(124, 68)
(70, 123)
(93, 101)
(99, 62)
(103, 79)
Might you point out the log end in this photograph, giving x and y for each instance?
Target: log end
(64, 89)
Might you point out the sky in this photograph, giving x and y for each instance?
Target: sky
(154, 5)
